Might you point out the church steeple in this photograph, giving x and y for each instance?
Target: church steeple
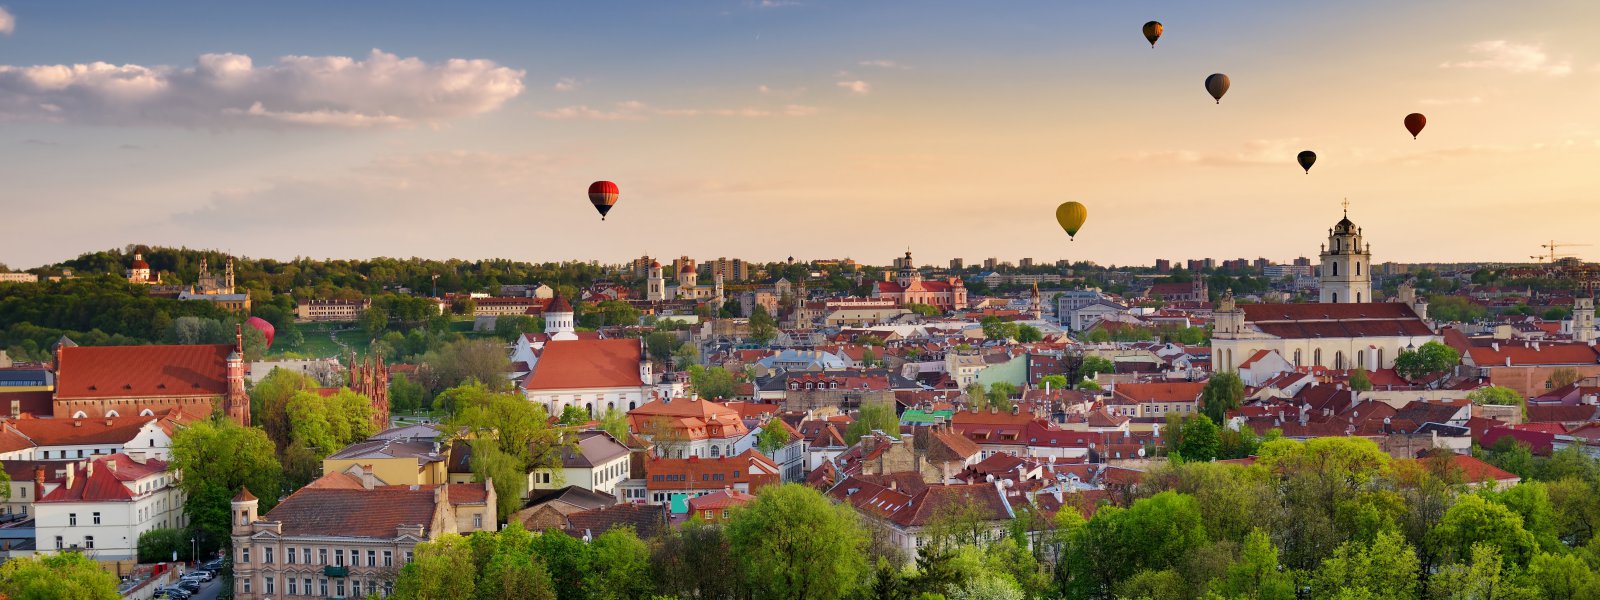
(1346, 264)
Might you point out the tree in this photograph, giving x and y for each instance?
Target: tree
(995, 328)
(1201, 440)
(1094, 365)
(511, 570)
(660, 345)
(1256, 573)
(872, 417)
(161, 545)
(573, 415)
(321, 425)
(269, 401)
(1386, 569)
(1563, 377)
(441, 569)
(468, 360)
(510, 438)
(1496, 395)
(1222, 393)
(999, 395)
(762, 326)
(793, 543)
(406, 395)
(1484, 574)
(1475, 522)
(511, 327)
(615, 422)
(1054, 382)
(1563, 577)
(1359, 381)
(1028, 334)
(695, 561)
(686, 354)
(59, 576)
(773, 436)
(1431, 358)
(712, 382)
(218, 458)
(619, 566)
(926, 310)
(568, 562)
(1455, 309)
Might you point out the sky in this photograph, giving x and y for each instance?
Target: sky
(762, 129)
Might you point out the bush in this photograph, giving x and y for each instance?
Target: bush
(158, 545)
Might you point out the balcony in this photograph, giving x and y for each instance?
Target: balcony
(332, 571)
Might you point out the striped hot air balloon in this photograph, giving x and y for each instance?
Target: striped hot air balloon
(603, 195)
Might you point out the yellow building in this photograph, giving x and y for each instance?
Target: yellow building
(402, 456)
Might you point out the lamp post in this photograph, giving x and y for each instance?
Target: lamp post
(194, 548)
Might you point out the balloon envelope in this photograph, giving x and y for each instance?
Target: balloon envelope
(603, 194)
(1071, 216)
(1307, 158)
(1414, 124)
(1152, 32)
(266, 329)
(1217, 85)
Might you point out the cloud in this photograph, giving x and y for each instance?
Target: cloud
(774, 3)
(229, 91)
(856, 86)
(8, 23)
(567, 84)
(780, 92)
(634, 110)
(1252, 153)
(1502, 55)
(882, 64)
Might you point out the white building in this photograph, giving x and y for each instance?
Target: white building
(105, 507)
(1346, 265)
(144, 436)
(596, 462)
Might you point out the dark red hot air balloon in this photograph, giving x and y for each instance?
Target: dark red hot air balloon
(603, 194)
(1414, 124)
(261, 325)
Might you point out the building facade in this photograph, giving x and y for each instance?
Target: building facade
(103, 507)
(320, 311)
(1346, 275)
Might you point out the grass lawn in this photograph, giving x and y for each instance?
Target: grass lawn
(318, 344)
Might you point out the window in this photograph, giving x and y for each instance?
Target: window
(338, 588)
(1358, 272)
(322, 557)
(288, 557)
(246, 585)
(338, 560)
(294, 586)
(266, 556)
(477, 523)
(1336, 269)
(58, 543)
(244, 555)
(388, 558)
(268, 588)
(308, 586)
(408, 557)
(1336, 297)
(306, 554)
(372, 558)
(324, 586)
(96, 518)
(72, 519)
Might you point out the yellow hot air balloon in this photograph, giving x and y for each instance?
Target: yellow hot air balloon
(1071, 215)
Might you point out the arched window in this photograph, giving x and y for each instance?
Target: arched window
(1338, 360)
(1358, 297)
(79, 415)
(1297, 358)
(1316, 357)
(1336, 297)
(1335, 268)
(1361, 359)
(716, 451)
(1358, 267)
(147, 413)
(1380, 358)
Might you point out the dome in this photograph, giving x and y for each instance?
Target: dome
(655, 264)
(559, 305)
(687, 268)
(139, 263)
(1344, 226)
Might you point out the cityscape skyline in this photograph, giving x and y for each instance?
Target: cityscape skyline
(767, 129)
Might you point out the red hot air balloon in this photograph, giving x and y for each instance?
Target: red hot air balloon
(266, 329)
(603, 194)
(1414, 124)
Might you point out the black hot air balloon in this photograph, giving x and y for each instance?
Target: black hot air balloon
(1307, 158)
(1217, 85)
(1152, 32)
(603, 194)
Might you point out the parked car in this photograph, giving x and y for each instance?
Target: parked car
(174, 593)
(189, 585)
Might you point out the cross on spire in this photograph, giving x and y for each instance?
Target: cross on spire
(1346, 204)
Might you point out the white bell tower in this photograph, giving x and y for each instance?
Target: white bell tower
(1346, 264)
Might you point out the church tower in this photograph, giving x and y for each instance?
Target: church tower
(236, 405)
(1583, 320)
(717, 298)
(1035, 304)
(908, 272)
(558, 320)
(656, 284)
(1346, 264)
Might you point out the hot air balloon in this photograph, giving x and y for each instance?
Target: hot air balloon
(1217, 84)
(1307, 158)
(1071, 215)
(1414, 124)
(261, 325)
(1152, 32)
(603, 194)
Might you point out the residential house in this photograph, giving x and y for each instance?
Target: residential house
(673, 481)
(595, 461)
(103, 505)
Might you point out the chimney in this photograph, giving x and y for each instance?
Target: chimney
(1495, 346)
(72, 473)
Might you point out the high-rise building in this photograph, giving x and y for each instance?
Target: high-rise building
(1026, 263)
(1302, 262)
(1163, 265)
(679, 263)
(1261, 263)
(957, 264)
(731, 269)
(1196, 264)
(989, 264)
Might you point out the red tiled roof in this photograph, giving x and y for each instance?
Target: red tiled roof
(63, 432)
(1298, 321)
(360, 512)
(700, 473)
(579, 364)
(722, 499)
(932, 501)
(116, 371)
(1475, 470)
(1186, 391)
(468, 493)
(1547, 354)
(99, 482)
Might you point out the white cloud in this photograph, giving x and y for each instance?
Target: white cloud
(856, 86)
(567, 84)
(8, 23)
(780, 92)
(227, 91)
(634, 110)
(1502, 55)
(882, 64)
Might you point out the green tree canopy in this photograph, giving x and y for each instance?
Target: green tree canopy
(60, 576)
(1432, 357)
(763, 328)
(218, 458)
(870, 417)
(792, 542)
(1222, 393)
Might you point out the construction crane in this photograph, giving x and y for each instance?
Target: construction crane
(1553, 249)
